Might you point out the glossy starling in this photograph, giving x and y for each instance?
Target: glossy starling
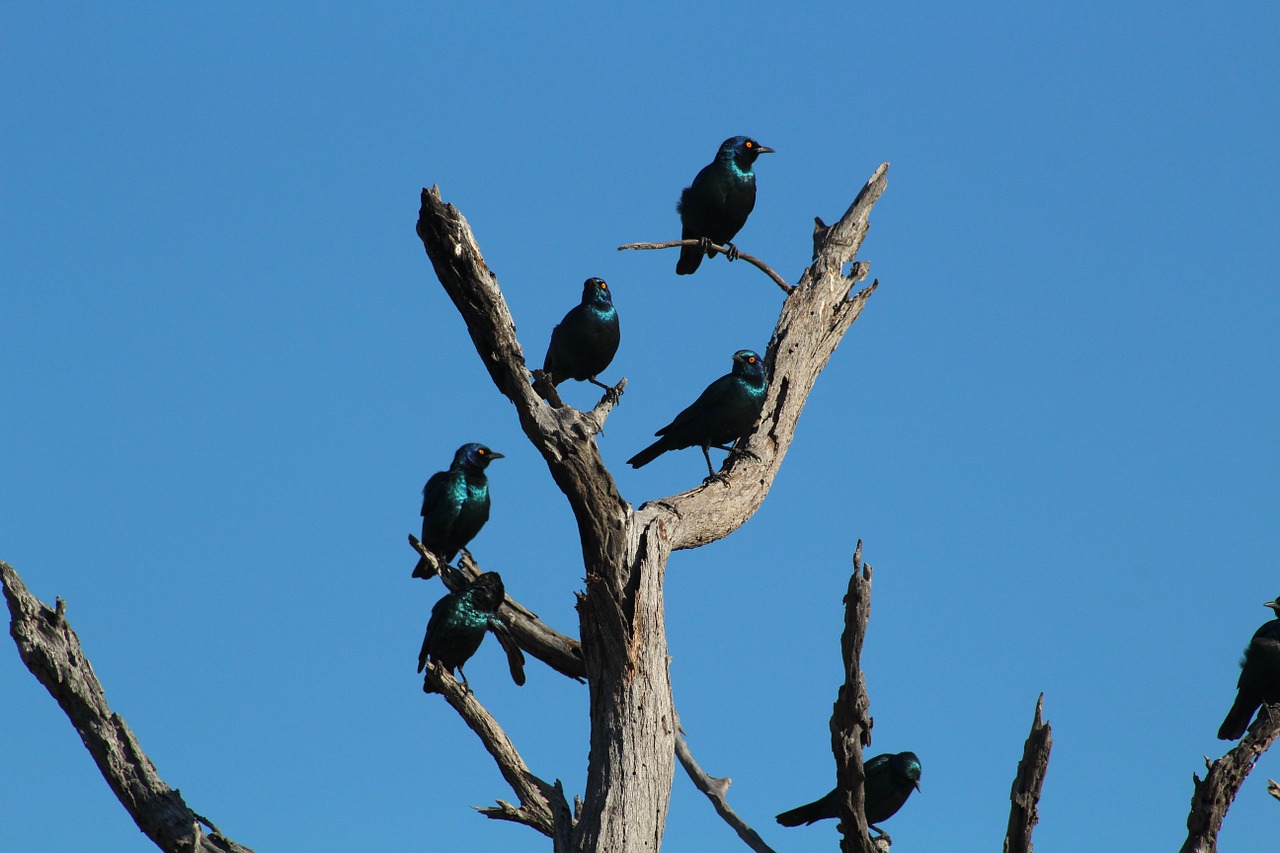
(890, 780)
(587, 338)
(716, 205)
(1259, 676)
(455, 504)
(724, 413)
(458, 624)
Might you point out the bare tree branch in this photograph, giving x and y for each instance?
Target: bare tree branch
(850, 718)
(540, 803)
(814, 318)
(1273, 788)
(723, 250)
(1212, 797)
(51, 650)
(621, 615)
(560, 652)
(1025, 795)
(715, 789)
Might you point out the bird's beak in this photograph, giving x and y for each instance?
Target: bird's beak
(917, 784)
(1274, 605)
(493, 454)
(765, 149)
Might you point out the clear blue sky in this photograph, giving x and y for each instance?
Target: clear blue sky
(229, 370)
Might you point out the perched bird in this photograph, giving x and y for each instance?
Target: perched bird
(587, 338)
(457, 626)
(721, 415)
(716, 205)
(890, 780)
(1259, 676)
(455, 504)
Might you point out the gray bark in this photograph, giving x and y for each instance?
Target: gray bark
(1213, 795)
(51, 650)
(625, 552)
(1025, 795)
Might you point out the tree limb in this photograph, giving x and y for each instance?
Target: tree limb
(723, 250)
(1025, 795)
(51, 650)
(540, 803)
(850, 718)
(560, 652)
(814, 318)
(1211, 797)
(715, 789)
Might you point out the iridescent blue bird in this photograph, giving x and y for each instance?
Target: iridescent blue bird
(585, 341)
(716, 205)
(890, 780)
(1259, 676)
(721, 415)
(458, 624)
(455, 504)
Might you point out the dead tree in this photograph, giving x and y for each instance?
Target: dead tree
(625, 549)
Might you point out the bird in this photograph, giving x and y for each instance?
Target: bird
(585, 341)
(721, 415)
(455, 504)
(890, 780)
(1259, 676)
(716, 205)
(457, 626)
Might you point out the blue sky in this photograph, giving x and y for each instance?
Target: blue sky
(229, 370)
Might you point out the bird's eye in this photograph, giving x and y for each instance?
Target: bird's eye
(480, 451)
(750, 144)
(751, 360)
(604, 286)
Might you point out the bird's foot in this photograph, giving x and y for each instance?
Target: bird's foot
(742, 451)
(716, 477)
(706, 246)
(731, 251)
(880, 833)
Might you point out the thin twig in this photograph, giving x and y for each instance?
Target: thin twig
(715, 789)
(850, 718)
(558, 651)
(540, 802)
(52, 651)
(1025, 796)
(723, 250)
(1213, 795)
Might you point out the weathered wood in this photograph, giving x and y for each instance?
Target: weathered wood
(1025, 795)
(716, 788)
(1212, 796)
(850, 717)
(52, 651)
(623, 635)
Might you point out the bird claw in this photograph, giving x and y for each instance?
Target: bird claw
(731, 251)
(722, 479)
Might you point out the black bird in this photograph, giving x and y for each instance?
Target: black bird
(890, 780)
(721, 415)
(1259, 676)
(716, 205)
(587, 338)
(457, 626)
(455, 504)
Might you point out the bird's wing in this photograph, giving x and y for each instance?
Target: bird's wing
(708, 401)
(435, 489)
(437, 616)
(515, 657)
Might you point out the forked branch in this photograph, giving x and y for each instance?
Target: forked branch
(52, 651)
(560, 652)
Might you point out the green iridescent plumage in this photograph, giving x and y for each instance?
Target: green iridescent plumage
(455, 504)
(1259, 676)
(716, 205)
(458, 624)
(586, 340)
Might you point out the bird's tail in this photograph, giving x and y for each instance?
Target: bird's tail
(810, 813)
(1238, 719)
(690, 258)
(650, 453)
